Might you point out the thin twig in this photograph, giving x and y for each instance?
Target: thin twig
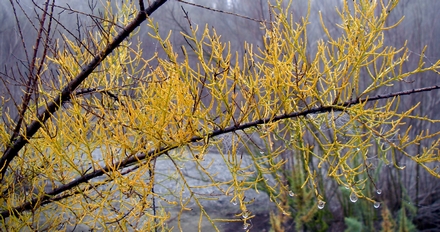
(31, 79)
(220, 11)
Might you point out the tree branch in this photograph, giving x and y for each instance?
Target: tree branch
(18, 143)
(50, 196)
(220, 11)
(32, 75)
(141, 5)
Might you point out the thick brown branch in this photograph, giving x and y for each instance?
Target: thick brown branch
(18, 143)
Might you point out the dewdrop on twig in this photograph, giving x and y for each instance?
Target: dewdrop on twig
(376, 204)
(321, 204)
(353, 197)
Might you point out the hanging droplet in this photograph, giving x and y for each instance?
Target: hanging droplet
(291, 194)
(321, 204)
(245, 226)
(376, 204)
(353, 197)
(379, 191)
(234, 202)
(245, 214)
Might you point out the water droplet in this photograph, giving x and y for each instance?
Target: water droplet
(234, 202)
(291, 194)
(346, 187)
(353, 197)
(262, 152)
(321, 204)
(379, 191)
(376, 204)
(245, 226)
(245, 214)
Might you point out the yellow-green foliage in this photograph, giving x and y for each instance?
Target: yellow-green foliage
(281, 92)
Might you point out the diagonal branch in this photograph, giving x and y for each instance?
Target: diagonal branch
(391, 95)
(51, 195)
(19, 142)
(220, 11)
